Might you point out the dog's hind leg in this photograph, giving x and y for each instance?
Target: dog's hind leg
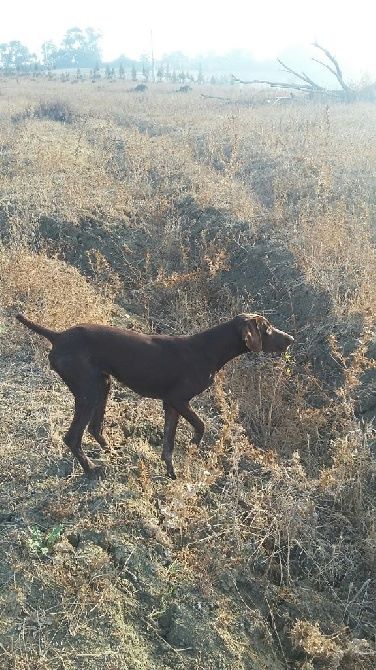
(86, 384)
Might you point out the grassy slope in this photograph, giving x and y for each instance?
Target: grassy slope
(174, 211)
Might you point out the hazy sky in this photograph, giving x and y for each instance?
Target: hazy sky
(265, 27)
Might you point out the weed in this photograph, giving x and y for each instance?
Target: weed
(42, 543)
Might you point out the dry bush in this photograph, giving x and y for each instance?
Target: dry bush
(285, 408)
(334, 651)
(56, 110)
(53, 174)
(334, 247)
(49, 290)
(158, 174)
(291, 507)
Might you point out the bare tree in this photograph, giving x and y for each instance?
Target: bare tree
(307, 85)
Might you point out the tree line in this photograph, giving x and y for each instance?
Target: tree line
(80, 50)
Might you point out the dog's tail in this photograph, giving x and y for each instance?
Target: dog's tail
(51, 335)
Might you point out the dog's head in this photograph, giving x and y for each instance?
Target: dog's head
(258, 334)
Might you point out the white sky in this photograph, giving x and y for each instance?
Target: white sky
(265, 27)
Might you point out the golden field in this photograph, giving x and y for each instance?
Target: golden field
(174, 211)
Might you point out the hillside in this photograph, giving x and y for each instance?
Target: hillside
(170, 212)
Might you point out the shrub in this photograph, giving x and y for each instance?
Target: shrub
(55, 110)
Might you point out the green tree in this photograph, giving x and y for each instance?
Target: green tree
(92, 48)
(15, 57)
(160, 73)
(79, 48)
(49, 51)
(145, 66)
(96, 72)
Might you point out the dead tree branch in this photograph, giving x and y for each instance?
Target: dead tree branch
(337, 72)
(215, 97)
(272, 84)
(302, 76)
(307, 85)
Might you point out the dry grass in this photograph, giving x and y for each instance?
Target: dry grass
(50, 289)
(171, 211)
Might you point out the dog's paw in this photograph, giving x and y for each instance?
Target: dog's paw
(95, 472)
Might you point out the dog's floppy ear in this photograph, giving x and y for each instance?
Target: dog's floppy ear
(252, 336)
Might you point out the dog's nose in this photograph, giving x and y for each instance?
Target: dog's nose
(290, 339)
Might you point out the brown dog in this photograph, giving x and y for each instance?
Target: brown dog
(171, 368)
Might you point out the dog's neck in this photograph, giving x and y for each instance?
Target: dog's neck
(220, 344)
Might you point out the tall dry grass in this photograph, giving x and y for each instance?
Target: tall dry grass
(173, 212)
